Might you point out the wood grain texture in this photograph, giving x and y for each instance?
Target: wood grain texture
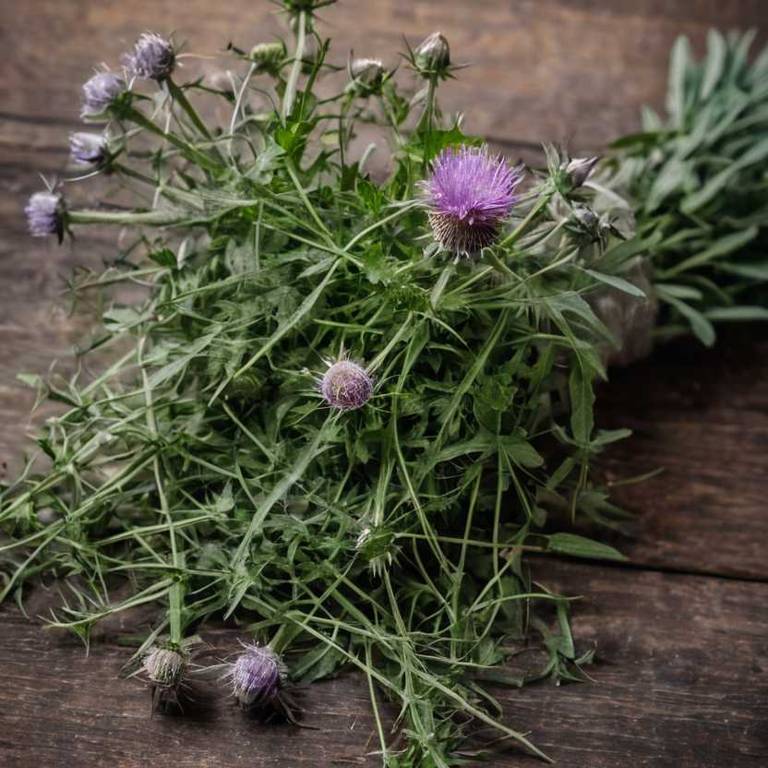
(701, 417)
(681, 683)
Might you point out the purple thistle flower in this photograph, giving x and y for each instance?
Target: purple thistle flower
(256, 675)
(88, 149)
(152, 58)
(470, 193)
(346, 386)
(100, 92)
(45, 214)
(165, 667)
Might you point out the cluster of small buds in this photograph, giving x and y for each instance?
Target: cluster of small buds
(165, 668)
(366, 76)
(432, 57)
(45, 214)
(267, 57)
(346, 386)
(89, 149)
(469, 194)
(100, 92)
(256, 676)
(152, 57)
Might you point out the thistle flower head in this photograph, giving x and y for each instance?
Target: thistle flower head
(366, 75)
(45, 214)
(100, 92)
(165, 667)
(256, 675)
(346, 385)
(470, 193)
(152, 57)
(267, 57)
(433, 55)
(88, 149)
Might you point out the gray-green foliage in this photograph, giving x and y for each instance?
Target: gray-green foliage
(202, 468)
(700, 177)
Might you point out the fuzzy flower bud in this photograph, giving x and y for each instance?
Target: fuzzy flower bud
(152, 58)
(100, 92)
(433, 55)
(346, 386)
(579, 169)
(470, 193)
(367, 75)
(88, 149)
(268, 56)
(256, 676)
(45, 213)
(165, 667)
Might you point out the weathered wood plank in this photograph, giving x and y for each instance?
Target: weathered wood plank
(700, 416)
(542, 70)
(680, 684)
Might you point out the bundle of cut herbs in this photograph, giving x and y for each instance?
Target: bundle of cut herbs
(343, 409)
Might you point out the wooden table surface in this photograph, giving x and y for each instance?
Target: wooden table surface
(681, 629)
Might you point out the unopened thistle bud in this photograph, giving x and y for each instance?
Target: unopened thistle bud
(579, 169)
(366, 75)
(433, 55)
(268, 57)
(100, 92)
(152, 57)
(256, 676)
(469, 194)
(346, 386)
(165, 668)
(45, 213)
(88, 149)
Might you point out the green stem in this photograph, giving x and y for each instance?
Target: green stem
(191, 153)
(131, 173)
(515, 234)
(175, 594)
(148, 218)
(307, 202)
(181, 98)
(293, 76)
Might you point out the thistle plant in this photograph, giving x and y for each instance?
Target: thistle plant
(381, 518)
